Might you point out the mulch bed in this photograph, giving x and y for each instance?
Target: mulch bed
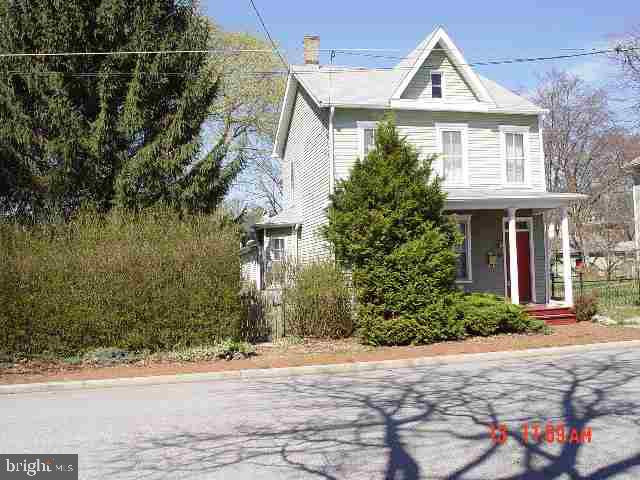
(318, 352)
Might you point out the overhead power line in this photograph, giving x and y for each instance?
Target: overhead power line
(266, 31)
(503, 61)
(328, 70)
(131, 74)
(130, 52)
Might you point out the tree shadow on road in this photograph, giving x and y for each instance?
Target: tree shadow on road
(427, 422)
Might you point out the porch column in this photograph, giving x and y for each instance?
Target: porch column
(566, 257)
(513, 256)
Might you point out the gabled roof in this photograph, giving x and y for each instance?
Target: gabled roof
(349, 87)
(416, 58)
(374, 88)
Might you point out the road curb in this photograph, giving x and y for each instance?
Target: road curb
(308, 369)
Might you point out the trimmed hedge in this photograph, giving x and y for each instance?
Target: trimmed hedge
(452, 317)
(486, 314)
(151, 280)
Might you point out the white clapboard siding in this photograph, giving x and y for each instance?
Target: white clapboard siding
(485, 161)
(249, 265)
(308, 148)
(455, 86)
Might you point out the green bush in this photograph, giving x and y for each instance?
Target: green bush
(486, 314)
(586, 307)
(149, 280)
(451, 317)
(438, 321)
(229, 349)
(387, 224)
(317, 301)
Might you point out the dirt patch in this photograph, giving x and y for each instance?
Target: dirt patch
(318, 352)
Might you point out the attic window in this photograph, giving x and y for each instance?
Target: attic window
(436, 85)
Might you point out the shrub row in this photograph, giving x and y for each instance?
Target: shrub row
(452, 317)
(317, 301)
(151, 280)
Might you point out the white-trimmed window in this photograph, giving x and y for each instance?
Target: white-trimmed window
(367, 133)
(369, 140)
(437, 85)
(276, 249)
(452, 149)
(463, 272)
(515, 152)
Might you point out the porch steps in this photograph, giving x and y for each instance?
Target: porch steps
(552, 315)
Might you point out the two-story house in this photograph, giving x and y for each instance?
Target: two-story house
(490, 155)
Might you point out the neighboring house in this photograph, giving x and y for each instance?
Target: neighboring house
(489, 144)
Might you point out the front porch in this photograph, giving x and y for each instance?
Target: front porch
(506, 249)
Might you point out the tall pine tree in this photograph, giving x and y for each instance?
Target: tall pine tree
(113, 130)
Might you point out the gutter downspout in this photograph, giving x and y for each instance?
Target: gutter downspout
(296, 229)
(332, 111)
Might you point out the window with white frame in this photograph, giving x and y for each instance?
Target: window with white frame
(369, 137)
(276, 249)
(452, 143)
(436, 84)
(367, 132)
(514, 154)
(463, 272)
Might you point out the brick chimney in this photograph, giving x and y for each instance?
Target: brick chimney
(311, 49)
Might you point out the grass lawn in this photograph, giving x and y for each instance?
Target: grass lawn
(298, 352)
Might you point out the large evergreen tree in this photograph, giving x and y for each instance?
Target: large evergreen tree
(109, 129)
(386, 224)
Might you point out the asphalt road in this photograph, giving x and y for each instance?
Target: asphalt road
(427, 422)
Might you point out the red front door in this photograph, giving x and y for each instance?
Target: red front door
(524, 266)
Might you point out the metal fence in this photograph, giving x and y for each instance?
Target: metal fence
(613, 276)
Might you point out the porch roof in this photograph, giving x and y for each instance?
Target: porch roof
(286, 218)
(486, 200)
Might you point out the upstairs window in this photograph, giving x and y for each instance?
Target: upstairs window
(514, 154)
(436, 85)
(515, 157)
(452, 153)
(452, 156)
(369, 140)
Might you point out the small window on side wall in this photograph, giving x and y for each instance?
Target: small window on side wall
(369, 140)
(436, 85)
(276, 249)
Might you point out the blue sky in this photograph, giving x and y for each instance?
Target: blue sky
(482, 30)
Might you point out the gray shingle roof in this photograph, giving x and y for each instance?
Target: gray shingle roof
(375, 87)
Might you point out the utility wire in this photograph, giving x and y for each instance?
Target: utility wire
(360, 52)
(330, 70)
(130, 74)
(132, 52)
(266, 31)
(618, 50)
